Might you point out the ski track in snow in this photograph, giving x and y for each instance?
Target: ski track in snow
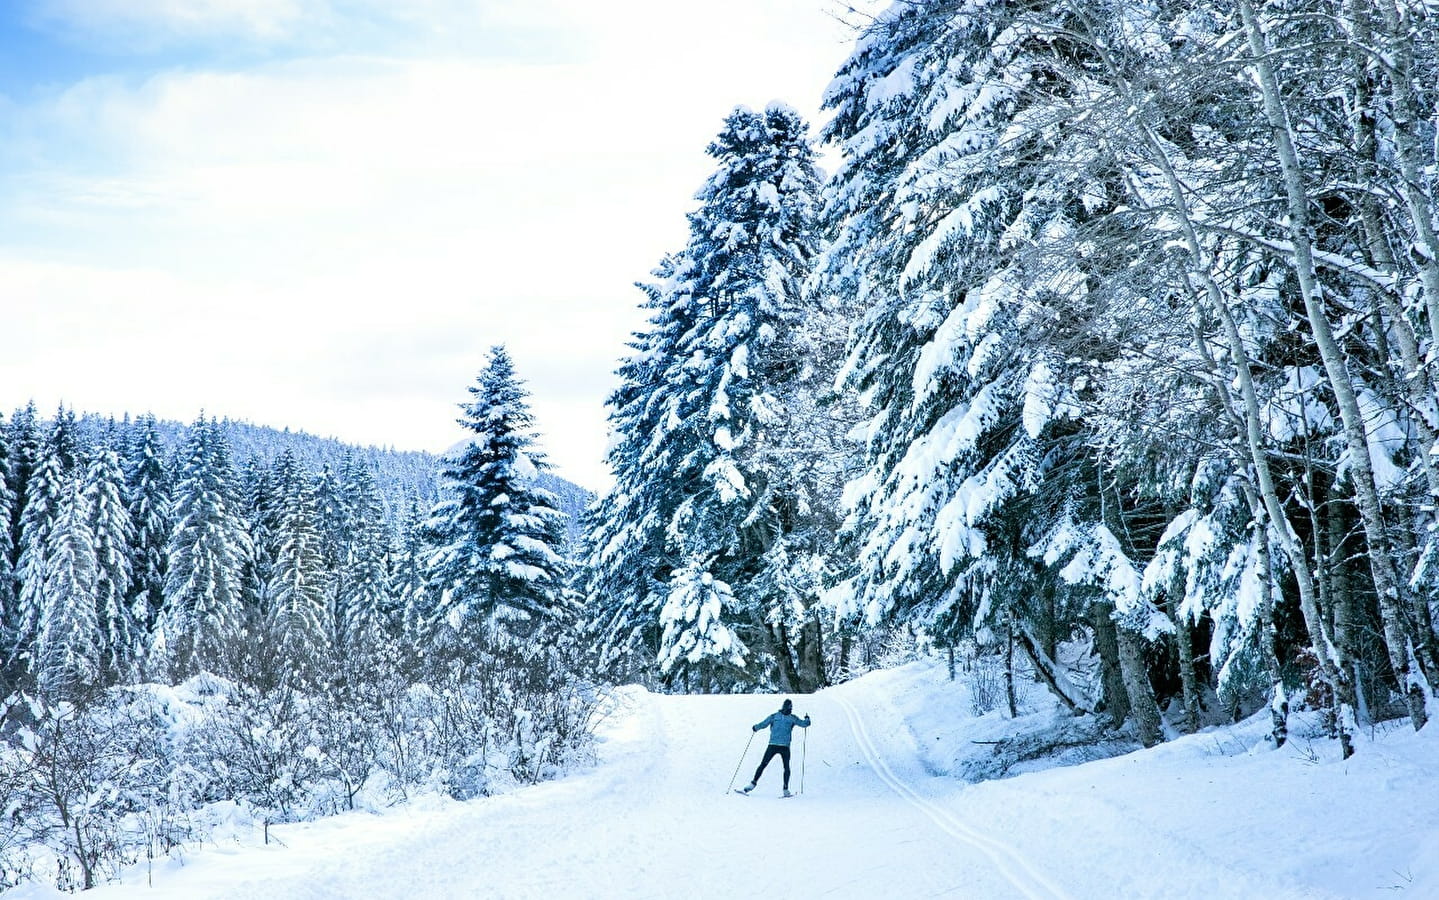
(1014, 867)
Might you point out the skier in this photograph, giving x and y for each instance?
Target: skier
(781, 726)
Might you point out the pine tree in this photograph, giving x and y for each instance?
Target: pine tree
(699, 488)
(628, 565)
(69, 642)
(112, 535)
(333, 528)
(300, 587)
(495, 537)
(257, 503)
(694, 637)
(976, 219)
(363, 603)
(147, 481)
(44, 499)
(24, 444)
(204, 611)
(273, 497)
(415, 604)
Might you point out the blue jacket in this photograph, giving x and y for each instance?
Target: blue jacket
(781, 726)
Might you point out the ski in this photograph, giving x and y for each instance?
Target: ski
(741, 793)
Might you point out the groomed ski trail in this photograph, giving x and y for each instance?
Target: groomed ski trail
(1029, 882)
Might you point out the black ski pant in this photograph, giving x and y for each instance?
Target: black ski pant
(770, 753)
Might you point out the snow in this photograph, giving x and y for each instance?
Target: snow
(883, 813)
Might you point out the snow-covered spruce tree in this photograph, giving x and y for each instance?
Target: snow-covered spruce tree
(333, 525)
(69, 644)
(147, 494)
(299, 592)
(112, 534)
(24, 444)
(689, 621)
(699, 487)
(495, 535)
(44, 493)
(628, 565)
(416, 605)
(991, 238)
(256, 504)
(363, 605)
(204, 610)
(270, 501)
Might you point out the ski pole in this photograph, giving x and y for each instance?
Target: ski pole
(740, 763)
(803, 746)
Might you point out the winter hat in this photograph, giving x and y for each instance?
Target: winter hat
(788, 705)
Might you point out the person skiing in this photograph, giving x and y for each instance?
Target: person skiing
(781, 726)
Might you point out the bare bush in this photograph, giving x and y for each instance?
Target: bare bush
(89, 787)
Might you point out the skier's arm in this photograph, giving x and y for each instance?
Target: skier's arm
(805, 722)
(768, 719)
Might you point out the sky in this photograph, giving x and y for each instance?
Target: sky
(320, 214)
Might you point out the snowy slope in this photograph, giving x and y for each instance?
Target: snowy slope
(655, 819)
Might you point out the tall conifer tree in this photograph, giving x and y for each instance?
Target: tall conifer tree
(44, 501)
(112, 534)
(363, 604)
(700, 499)
(300, 611)
(69, 644)
(204, 605)
(147, 481)
(495, 537)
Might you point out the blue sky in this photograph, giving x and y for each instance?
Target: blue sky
(319, 214)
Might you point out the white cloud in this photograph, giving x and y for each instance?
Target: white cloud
(332, 242)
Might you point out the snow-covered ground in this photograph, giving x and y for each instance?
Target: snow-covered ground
(1213, 815)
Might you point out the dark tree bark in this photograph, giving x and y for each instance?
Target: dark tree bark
(1115, 702)
(1143, 708)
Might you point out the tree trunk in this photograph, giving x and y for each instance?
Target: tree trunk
(1115, 702)
(1346, 624)
(785, 675)
(1009, 668)
(1184, 637)
(1142, 706)
(811, 655)
(1416, 382)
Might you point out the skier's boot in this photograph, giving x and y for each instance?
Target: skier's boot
(787, 793)
(747, 788)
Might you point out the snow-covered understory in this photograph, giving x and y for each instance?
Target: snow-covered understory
(1214, 815)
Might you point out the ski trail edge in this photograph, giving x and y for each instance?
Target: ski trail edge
(1010, 864)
